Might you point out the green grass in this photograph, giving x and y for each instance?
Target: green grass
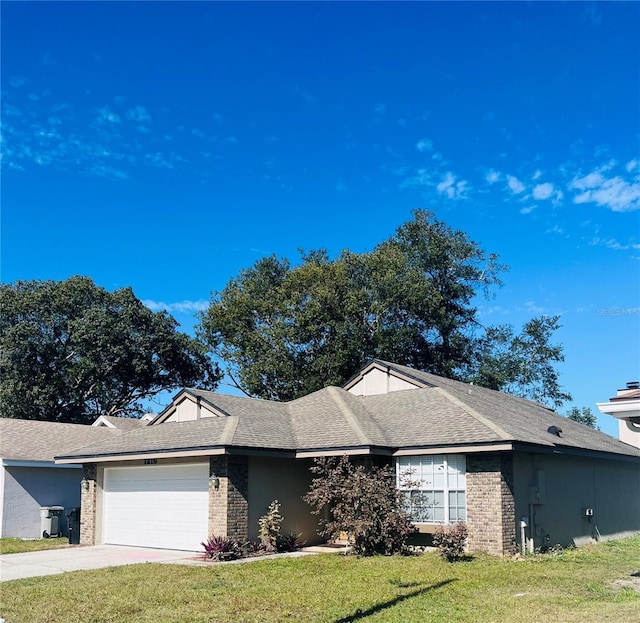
(574, 587)
(17, 546)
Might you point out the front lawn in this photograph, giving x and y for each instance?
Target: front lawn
(16, 546)
(578, 586)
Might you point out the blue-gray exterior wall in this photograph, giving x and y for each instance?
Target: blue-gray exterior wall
(26, 489)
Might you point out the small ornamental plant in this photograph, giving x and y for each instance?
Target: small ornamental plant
(450, 541)
(272, 539)
(269, 527)
(287, 542)
(221, 548)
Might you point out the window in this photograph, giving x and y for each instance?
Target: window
(434, 487)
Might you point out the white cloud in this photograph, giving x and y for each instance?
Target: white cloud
(556, 229)
(105, 115)
(424, 144)
(451, 187)
(534, 308)
(615, 193)
(493, 177)
(543, 191)
(138, 114)
(632, 165)
(611, 243)
(101, 170)
(537, 175)
(423, 177)
(527, 210)
(515, 185)
(182, 307)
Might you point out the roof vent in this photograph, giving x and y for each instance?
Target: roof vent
(633, 385)
(555, 430)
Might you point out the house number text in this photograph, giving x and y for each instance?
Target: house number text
(151, 461)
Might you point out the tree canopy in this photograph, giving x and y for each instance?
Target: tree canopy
(584, 416)
(284, 331)
(70, 351)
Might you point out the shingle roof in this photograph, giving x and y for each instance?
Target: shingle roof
(519, 419)
(442, 413)
(31, 440)
(124, 423)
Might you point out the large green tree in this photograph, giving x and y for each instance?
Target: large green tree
(584, 416)
(521, 364)
(284, 331)
(70, 350)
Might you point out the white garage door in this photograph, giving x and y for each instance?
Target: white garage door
(165, 506)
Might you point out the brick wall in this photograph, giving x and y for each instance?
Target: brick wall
(88, 495)
(228, 504)
(490, 503)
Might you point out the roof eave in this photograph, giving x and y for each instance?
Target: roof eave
(575, 451)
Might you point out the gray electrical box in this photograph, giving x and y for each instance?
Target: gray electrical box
(50, 524)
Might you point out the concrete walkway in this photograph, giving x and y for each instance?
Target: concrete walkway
(78, 557)
(53, 561)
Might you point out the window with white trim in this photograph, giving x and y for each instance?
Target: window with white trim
(434, 487)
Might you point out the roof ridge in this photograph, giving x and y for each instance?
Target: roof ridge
(349, 415)
(473, 413)
(230, 428)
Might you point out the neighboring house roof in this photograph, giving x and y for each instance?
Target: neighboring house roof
(439, 414)
(121, 423)
(32, 440)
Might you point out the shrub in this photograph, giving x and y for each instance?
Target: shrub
(364, 502)
(269, 527)
(450, 541)
(252, 548)
(221, 548)
(287, 542)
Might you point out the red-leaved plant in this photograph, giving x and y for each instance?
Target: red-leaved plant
(450, 541)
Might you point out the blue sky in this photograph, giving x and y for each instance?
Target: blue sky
(165, 146)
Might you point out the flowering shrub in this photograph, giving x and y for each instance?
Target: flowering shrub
(450, 541)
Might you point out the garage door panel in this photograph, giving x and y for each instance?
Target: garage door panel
(156, 506)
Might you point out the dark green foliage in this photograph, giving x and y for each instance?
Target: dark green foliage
(451, 540)
(521, 364)
(70, 351)
(363, 501)
(287, 542)
(285, 331)
(584, 416)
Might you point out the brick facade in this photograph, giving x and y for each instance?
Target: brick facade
(490, 503)
(88, 496)
(228, 504)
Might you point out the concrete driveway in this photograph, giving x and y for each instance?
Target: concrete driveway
(51, 562)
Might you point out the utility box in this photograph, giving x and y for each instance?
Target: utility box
(50, 524)
(73, 521)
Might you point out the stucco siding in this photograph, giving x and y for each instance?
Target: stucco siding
(564, 487)
(26, 489)
(629, 433)
(285, 480)
(379, 382)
